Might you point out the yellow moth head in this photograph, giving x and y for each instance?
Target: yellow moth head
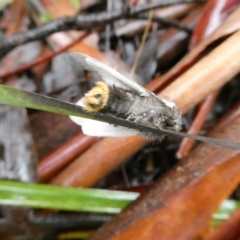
(97, 98)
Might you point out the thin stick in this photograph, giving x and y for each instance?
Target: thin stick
(139, 52)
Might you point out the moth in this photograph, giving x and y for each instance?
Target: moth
(116, 95)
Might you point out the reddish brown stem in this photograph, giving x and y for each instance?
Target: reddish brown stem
(197, 124)
(59, 158)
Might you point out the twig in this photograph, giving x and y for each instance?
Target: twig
(167, 22)
(81, 22)
(145, 34)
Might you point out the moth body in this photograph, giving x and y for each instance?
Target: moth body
(147, 110)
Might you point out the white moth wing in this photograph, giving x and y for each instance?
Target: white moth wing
(111, 77)
(108, 74)
(101, 129)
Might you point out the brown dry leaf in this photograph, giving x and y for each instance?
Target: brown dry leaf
(214, 13)
(206, 76)
(231, 25)
(59, 9)
(180, 205)
(15, 19)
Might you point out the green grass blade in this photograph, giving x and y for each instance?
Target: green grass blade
(62, 198)
(21, 98)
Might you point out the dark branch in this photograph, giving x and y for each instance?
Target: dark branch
(82, 22)
(167, 22)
